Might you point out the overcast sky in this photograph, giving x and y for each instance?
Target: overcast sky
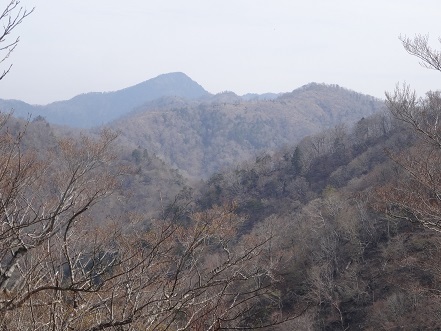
(70, 47)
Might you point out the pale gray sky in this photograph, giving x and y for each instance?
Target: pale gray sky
(70, 47)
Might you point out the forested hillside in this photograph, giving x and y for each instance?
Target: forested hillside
(96, 237)
(201, 137)
(330, 221)
(198, 133)
(317, 235)
(338, 256)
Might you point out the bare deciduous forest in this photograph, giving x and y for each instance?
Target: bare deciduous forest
(337, 231)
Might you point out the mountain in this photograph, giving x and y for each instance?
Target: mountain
(97, 108)
(334, 222)
(199, 133)
(201, 137)
(340, 260)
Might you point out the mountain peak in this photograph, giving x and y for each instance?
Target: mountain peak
(173, 84)
(175, 75)
(95, 108)
(171, 77)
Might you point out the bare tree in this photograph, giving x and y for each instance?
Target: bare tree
(419, 47)
(11, 17)
(416, 195)
(42, 197)
(63, 267)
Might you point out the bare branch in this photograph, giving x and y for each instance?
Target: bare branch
(11, 17)
(419, 47)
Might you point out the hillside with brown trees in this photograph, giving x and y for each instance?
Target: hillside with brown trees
(201, 137)
(318, 235)
(331, 221)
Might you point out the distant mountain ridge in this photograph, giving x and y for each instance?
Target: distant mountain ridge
(98, 108)
(200, 133)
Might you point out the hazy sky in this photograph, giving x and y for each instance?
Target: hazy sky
(68, 47)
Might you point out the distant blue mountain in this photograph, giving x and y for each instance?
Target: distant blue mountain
(97, 108)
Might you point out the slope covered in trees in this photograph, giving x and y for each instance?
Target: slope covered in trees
(301, 234)
(198, 133)
(339, 252)
(201, 137)
(337, 232)
(311, 233)
(84, 246)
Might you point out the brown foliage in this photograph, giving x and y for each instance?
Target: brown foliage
(61, 268)
(414, 193)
